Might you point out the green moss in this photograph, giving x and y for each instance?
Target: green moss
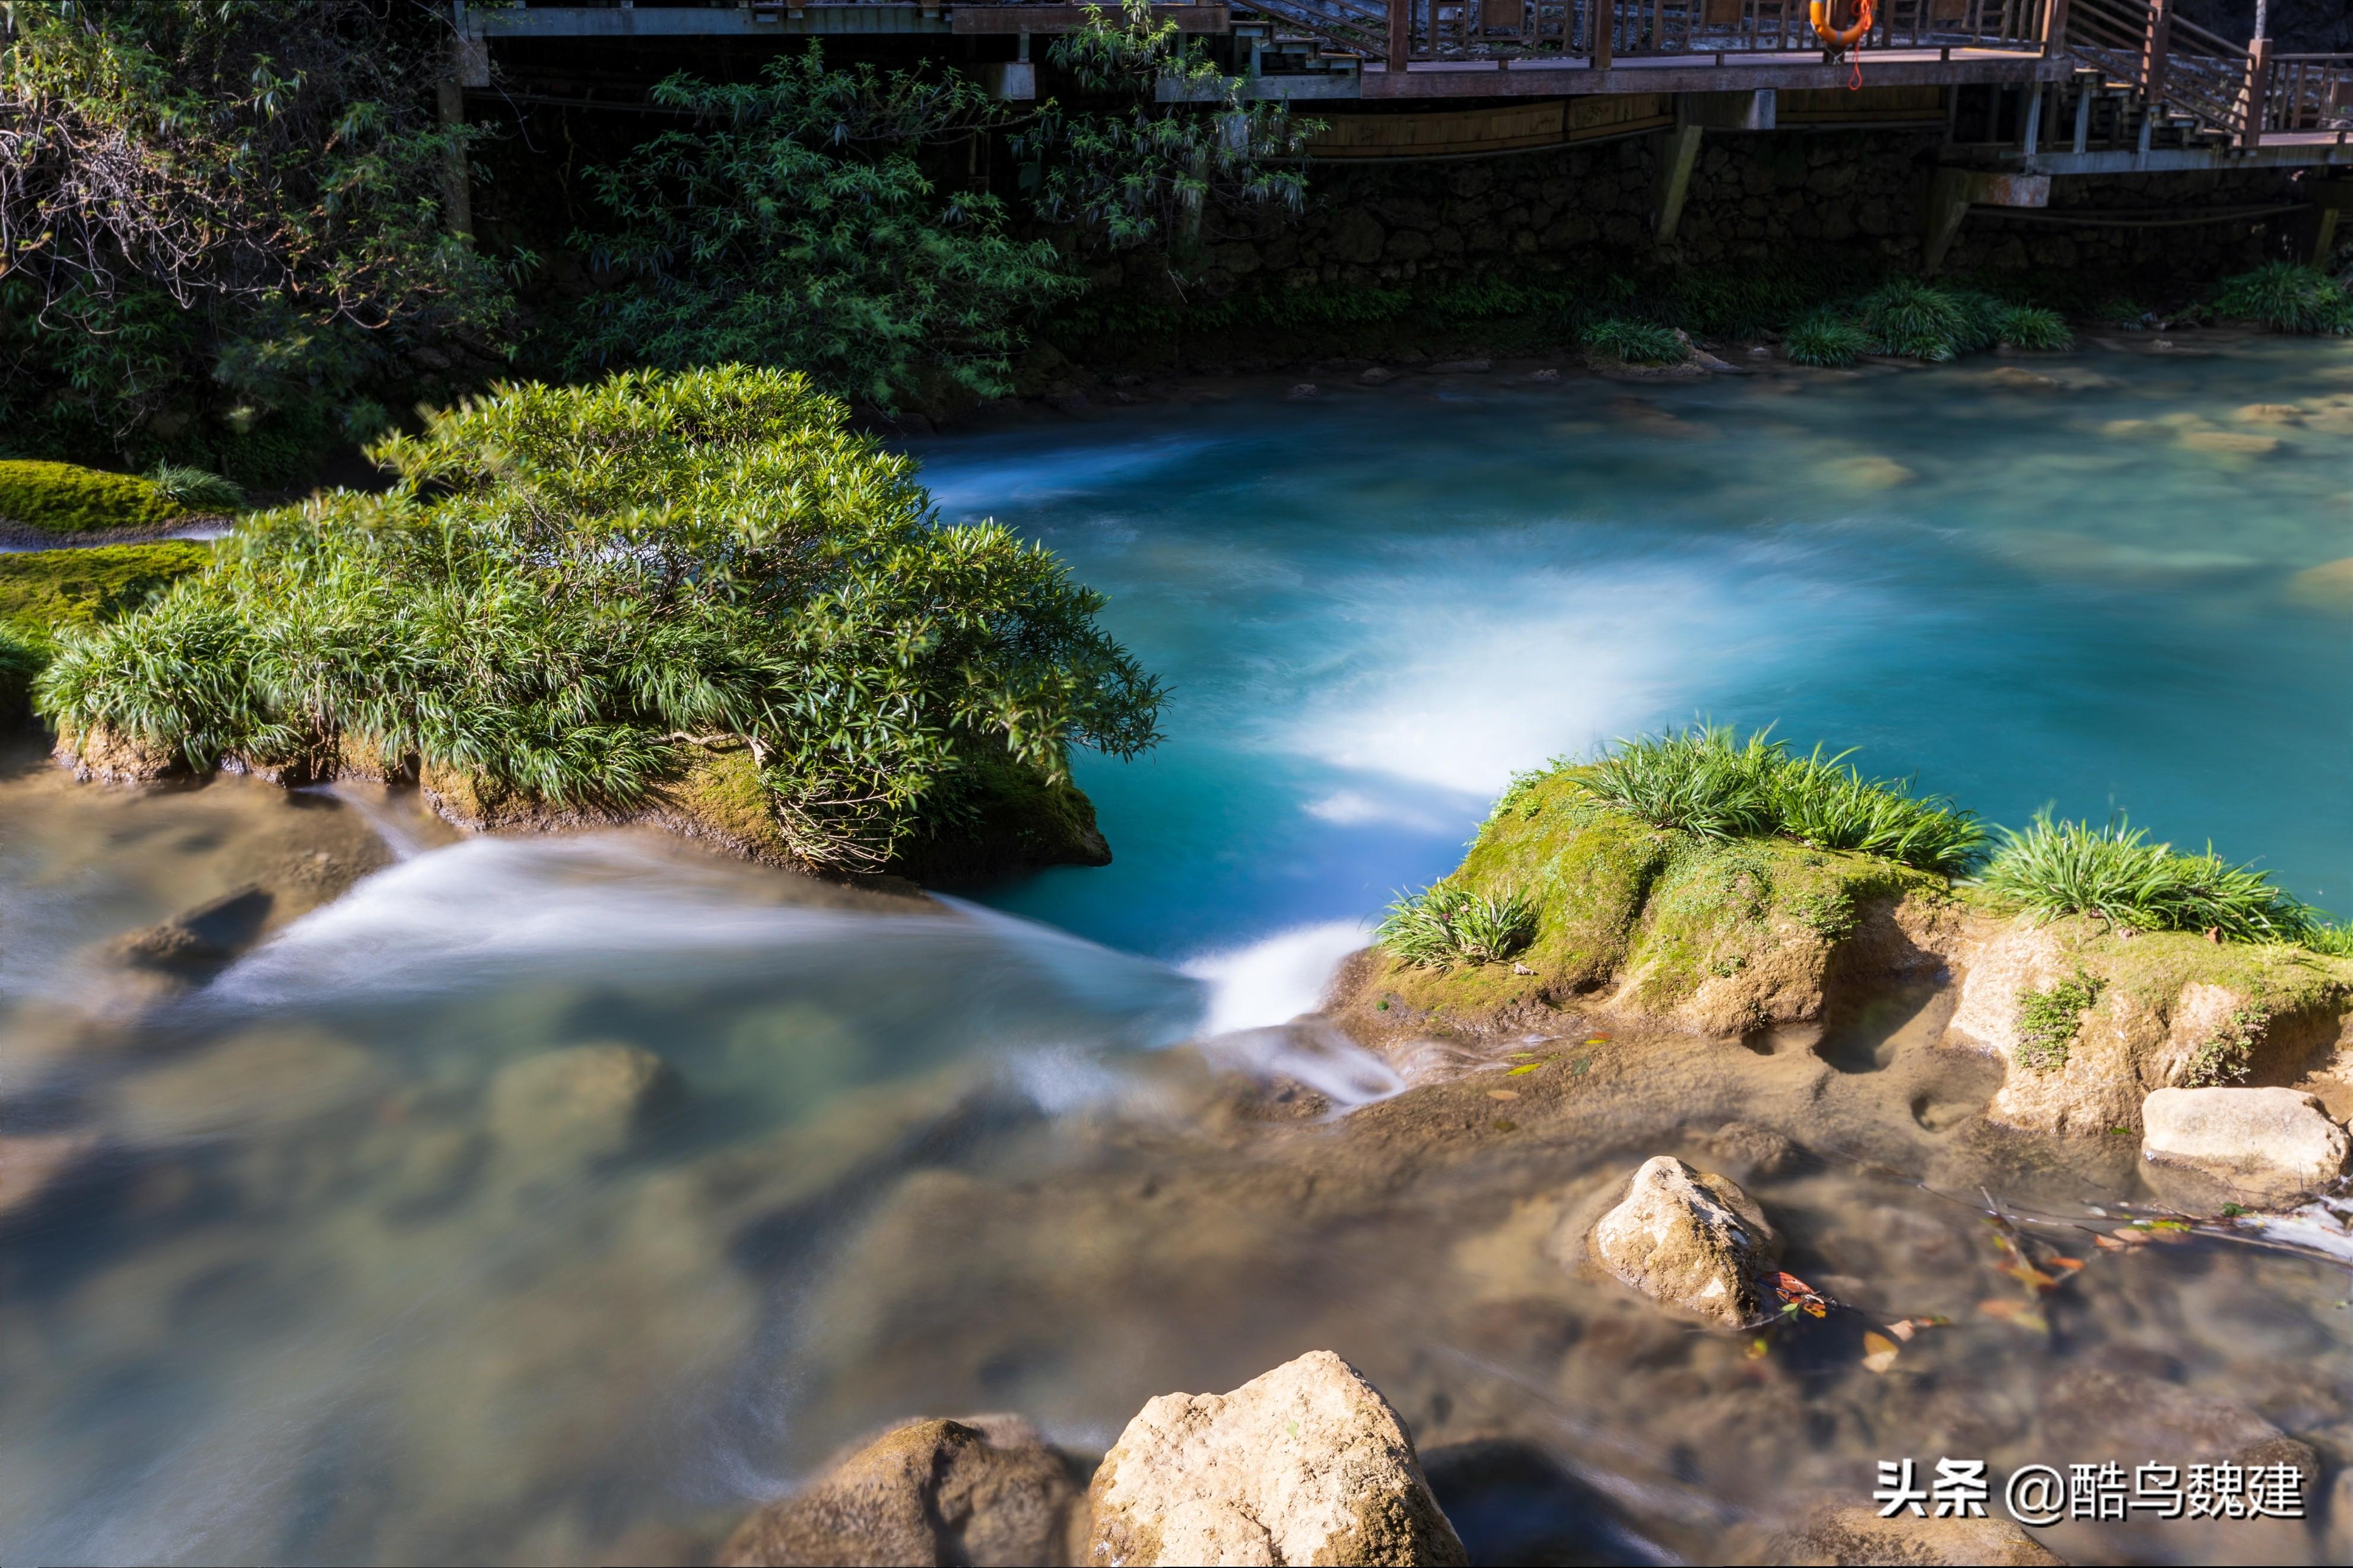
(43, 590)
(1615, 897)
(2048, 1020)
(61, 498)
(993, 817)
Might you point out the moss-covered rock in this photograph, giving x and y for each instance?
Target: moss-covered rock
(43, 592)
(1000, 818)
(63, 497)
(2164, 1010)
(1717, 936)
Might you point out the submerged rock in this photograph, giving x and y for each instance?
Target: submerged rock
(985, 1490)
(197, 943)
(2269, 1146)
(1304, 1464)
(1689, 1241)
(1858, 1535)
(580, 1103)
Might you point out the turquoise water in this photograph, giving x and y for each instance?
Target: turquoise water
(1372, 607)
(304, 1262)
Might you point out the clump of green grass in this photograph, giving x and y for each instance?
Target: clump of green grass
(1920, 320)
(1706, 780)
(65, 498)
(194, 489)
(2333, 937)
(2115, 873)
(1826, 339)
(2048, 1021)
(2033, 328)
(2124, 315)
(1636, 342)
(2287, 299)
(1446, 924)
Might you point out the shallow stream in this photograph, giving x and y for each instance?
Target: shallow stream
(340, 1270)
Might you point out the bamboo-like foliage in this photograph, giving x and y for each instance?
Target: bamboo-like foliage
(567, 586)
(1447, 923)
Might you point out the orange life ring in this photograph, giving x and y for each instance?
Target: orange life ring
(1841, 38)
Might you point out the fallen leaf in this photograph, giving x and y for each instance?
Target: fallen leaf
(1902, 1329)
(1503, 1094)
(2068, 1264)
(1597, 1039)
(2026, 1274)
(1879, 1353)
(1582, 1068)
(2110, 1244)
(1756, 1351)
(2022, 1314)
(1515, 1072)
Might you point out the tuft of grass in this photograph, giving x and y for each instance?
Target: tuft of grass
(1920, 320)
(194, 489)
(1707, 782)
(2287, 299)
(2124, 315)
(2048, 1021)
(2113, 872)
(1826, 339)
(2033, 328)
(1447, 923)
(65, 498)
(2333, 937)
(1636, 342)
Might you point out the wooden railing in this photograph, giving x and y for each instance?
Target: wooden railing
(2306, 93)
(1608, 30)
(2183, 70)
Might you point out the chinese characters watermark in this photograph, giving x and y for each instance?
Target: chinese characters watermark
(2043, 1494)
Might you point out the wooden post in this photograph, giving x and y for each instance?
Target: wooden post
(2259, 91)
(1678, 152)
(2155, 46)
(1400, 33)
(2054, 27)
(1605, 23)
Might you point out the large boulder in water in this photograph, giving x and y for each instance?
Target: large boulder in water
(2266, 1146)
(580, 1103)
(1688, 1239)
(983, 1490)
(1304, 1464)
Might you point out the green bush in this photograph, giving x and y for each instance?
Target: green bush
(64, 499)
(1705, 781)
(568, 591)
(1827, 340)
(2033, 328)
(1635, 343)
(2287, 299)
(1920, 320)
(2048, 1020)
(2114, 873)
(196, 489)
(1446, 924)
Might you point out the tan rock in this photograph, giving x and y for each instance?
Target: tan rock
(2271, 1146)
(2330, 583)
(110, 756)
(1304, 1464)
(1872, 472)
(2229, 443)
(1688, 1240)
(580, 1103)
(2269, 413)
(1858, 1535)
(34, 1164)
(985, 1490)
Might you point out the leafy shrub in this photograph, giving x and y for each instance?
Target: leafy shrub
(1707, 782)
(1445, 924)
(1826, 339)
(1920, 320)
(1635, 343)
(2048, 1021)
(2124, 315)
(568, 589)
(2287, 299)
(793, 225)
(2113, 872)
(2033, 328)
(2229, 1054)
(64, 499)
(194, 489)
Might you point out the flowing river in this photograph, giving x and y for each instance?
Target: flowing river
(332, 1261)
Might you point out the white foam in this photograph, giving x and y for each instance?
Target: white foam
(1274, 979)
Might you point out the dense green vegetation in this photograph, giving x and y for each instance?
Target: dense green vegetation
(2114, 873)
(569, 590)
(1447, 923)
(2287, 299)
(1635, 343)
(217, 222)
(2048, 1021)
(63, 498)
